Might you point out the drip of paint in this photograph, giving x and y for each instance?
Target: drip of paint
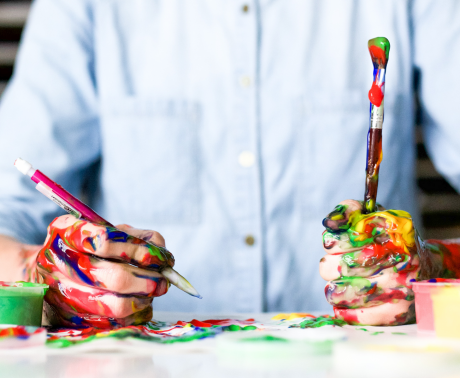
(376, 94)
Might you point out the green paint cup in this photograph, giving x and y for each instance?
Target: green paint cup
(21, 303)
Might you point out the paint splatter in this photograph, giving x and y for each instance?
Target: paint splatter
(265, 338)
(376, 333)
(20, 332)
(181, 331)
(320, 321)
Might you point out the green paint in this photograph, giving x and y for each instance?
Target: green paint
(362, 329)
(125, 333)
(377, 333)
(338, 216)
(234, 327)
(320, 321)
(22, 305)
(398, 333)
(370, 203)
(265, 338)
(159, 252)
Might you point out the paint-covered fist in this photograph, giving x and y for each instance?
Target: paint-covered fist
(101, 276)
(370, 262)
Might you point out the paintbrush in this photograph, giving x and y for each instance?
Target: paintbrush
(379, 48)
(74, 206)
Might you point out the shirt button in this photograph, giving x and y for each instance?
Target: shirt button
(245, 81)
(246, 159)
(249, 240)
(245, 8)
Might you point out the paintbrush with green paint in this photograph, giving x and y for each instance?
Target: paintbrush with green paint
(379, 48)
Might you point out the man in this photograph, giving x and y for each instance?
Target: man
(231, 128)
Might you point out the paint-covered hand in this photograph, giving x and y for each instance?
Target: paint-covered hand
(370, 262)
(101, 276)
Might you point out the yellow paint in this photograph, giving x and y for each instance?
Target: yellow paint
(337, 217)
(291, 316)
(446, 308)
(101, 306)
(399, 227)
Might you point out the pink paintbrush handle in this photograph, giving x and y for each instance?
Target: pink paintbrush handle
(86, 211)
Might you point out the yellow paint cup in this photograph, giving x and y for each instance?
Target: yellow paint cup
(446, 306)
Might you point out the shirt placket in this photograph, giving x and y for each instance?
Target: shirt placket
(248, 253)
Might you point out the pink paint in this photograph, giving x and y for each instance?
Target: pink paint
(423, 303)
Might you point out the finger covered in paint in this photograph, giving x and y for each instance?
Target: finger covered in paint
(356, 292)
(106, 242)
(387, 314)
(365, 262)
(337, 219)
(88, 270)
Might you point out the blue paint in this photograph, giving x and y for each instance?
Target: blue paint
(73, 263)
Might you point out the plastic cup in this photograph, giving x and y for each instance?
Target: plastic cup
(21, 303)
(424, 290)
(446, 305)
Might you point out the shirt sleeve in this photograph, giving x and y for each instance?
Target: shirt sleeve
(48, 114)
(436, 46)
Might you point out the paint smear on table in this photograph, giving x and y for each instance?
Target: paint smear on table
(186, 331)
(168, 333)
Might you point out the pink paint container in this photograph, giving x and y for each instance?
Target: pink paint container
(424, 304)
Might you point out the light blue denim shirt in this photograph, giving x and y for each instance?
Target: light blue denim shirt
(213, 122)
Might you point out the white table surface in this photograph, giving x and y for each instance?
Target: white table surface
(200, 358)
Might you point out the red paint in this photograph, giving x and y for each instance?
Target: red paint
(376, 94)
(372, 290)
(227, 322)
(378, 55)
(449, 253)
(14, 331)
(349, 316)
(220, 322)
(197, 323)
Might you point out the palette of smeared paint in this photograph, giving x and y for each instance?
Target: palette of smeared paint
(167, 333)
